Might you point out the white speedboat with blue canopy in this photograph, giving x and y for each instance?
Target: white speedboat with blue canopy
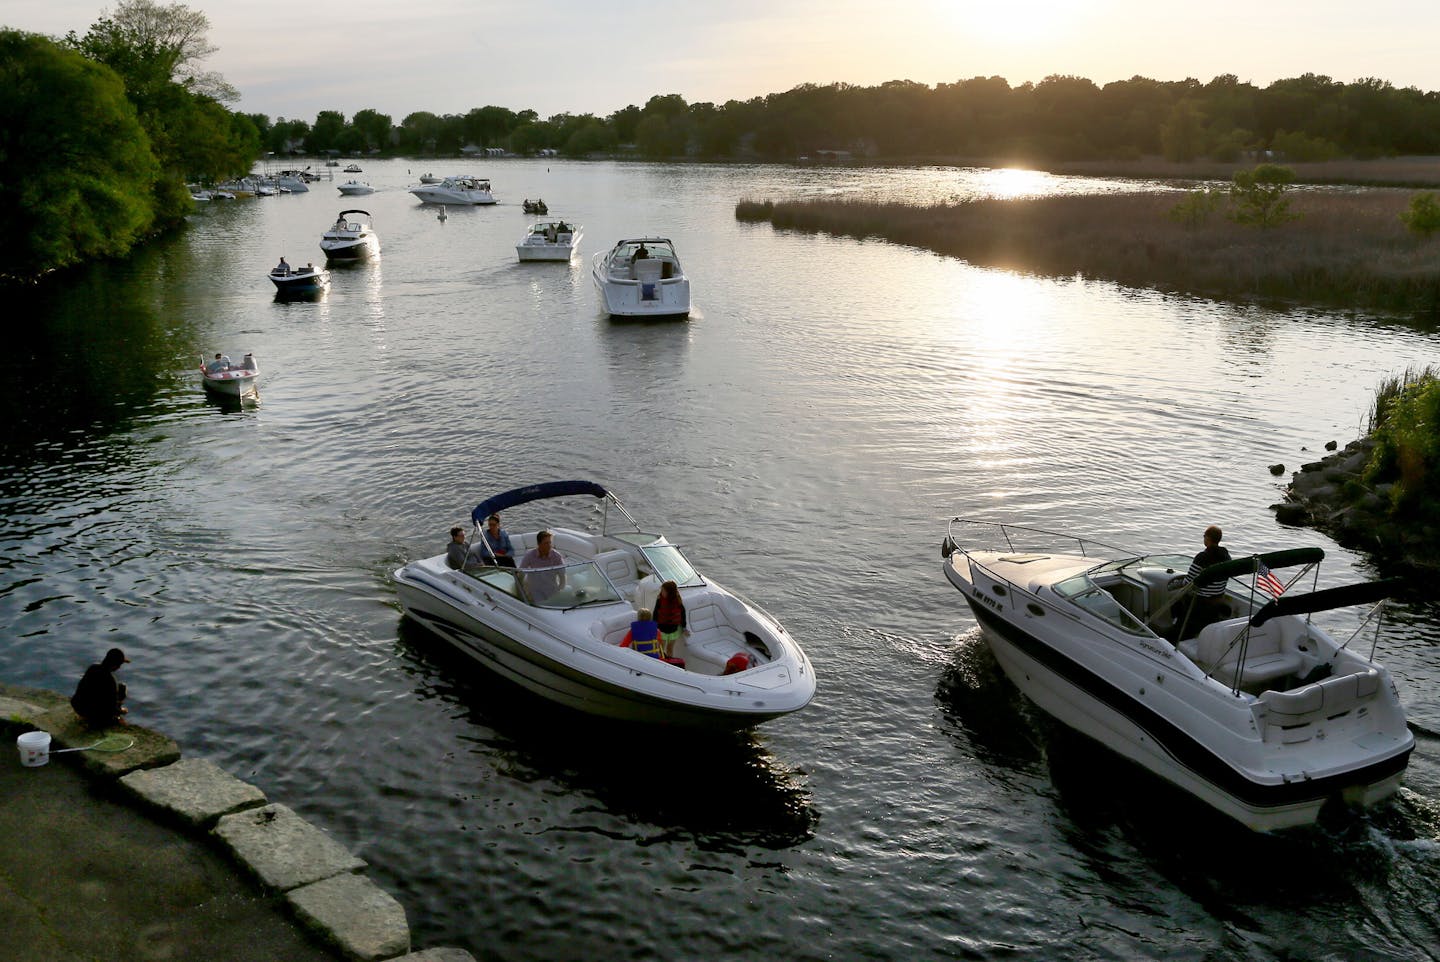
(1261, 713)
(559, 631)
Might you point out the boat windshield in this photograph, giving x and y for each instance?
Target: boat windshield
(1085, 593)
(670, 565)
(566, 586)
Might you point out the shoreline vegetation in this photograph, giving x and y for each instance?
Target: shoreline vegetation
(1346, 249)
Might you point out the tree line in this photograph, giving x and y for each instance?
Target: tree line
(99, 134)
(1311, 117)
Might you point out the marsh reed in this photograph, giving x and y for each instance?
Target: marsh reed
(1345, 249)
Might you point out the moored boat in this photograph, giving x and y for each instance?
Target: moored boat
(641, 277)
(1260, 714)
(559, 628)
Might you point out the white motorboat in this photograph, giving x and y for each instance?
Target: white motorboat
(558, 631)
(353, 188)
(1262, 715)
(294, 181)
(550, 240)
(353, 169)
(351, 237)
(307, 280)
(642, 277)
(227, 380)
(455, 190)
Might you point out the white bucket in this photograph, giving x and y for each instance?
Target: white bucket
(34, 748)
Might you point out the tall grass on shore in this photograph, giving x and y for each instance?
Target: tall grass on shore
(1344, 249)
(1403, 427)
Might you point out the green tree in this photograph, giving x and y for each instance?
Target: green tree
(76, 164)
(1259, 197)
(1423, 216)
(373, 128)
(1182, 136)
(326, 133)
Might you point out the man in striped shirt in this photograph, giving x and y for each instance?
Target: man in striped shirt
(1210, 605)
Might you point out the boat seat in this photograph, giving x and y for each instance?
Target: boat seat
(618, 566)
(611, 629)
(1290, 714)
(1270, 653)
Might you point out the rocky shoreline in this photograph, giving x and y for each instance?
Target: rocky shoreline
(1332, 495)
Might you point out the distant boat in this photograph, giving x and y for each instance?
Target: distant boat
(354, 188)
(352, 169)
(549, 240)
(456, 190)
(350, 238)
(301, 281)
(226, 380)
(429, 179)
(534, 206)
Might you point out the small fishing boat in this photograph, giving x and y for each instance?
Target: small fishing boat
(351, 237)
(307, 280)
(549, 240)
(559, 630)
(534, 206)
(1261, 714)
(226, 380)
(641, 277)
(429, 179)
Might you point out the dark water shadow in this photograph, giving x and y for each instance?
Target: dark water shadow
(985, 713)
(725, 792)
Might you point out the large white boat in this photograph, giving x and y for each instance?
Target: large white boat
(351, 237)
(456, 190)
(558, 631)
(549, 240)
(1262, 714)
(355, 188)
(641, 277)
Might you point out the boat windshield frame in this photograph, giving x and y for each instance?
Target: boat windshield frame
(1082, 591)
(577, 584)
(670, 564)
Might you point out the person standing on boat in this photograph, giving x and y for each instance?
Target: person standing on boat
(1209, 605)
(670, 616)
(283, 267)
(499, 542)
(99, 698)
(541, 581)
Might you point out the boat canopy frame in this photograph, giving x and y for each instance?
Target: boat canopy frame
(550, 489)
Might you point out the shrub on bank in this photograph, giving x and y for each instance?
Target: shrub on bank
(1405, 427)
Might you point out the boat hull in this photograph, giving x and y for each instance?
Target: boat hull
(1122, 711)
(461, 198)
(229, 384)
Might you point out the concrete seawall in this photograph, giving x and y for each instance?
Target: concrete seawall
(291, 868)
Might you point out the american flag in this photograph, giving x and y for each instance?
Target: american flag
(1267, 582)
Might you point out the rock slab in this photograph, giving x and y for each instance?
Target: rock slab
(199, 792)
(354, 913)
(283, 849)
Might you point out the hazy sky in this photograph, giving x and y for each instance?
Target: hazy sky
(297, 57)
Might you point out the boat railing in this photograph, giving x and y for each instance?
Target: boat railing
(967, 534)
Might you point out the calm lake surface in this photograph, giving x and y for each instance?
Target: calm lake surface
(807, 435)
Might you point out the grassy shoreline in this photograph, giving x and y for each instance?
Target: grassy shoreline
(1346, 249)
